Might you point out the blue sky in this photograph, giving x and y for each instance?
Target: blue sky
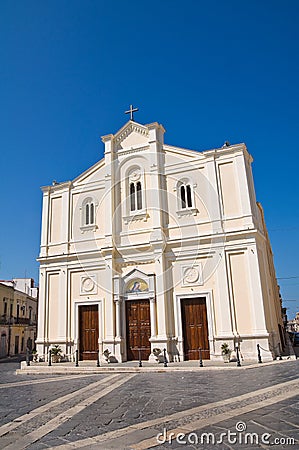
(209, 71)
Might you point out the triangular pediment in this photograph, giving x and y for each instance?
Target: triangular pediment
(136, 283)
(135, 273)
(131, 135)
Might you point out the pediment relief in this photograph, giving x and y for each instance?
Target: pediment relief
(135, 283)
(132, 135)
(135, 273)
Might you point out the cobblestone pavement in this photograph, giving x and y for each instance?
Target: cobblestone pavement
(127, 411)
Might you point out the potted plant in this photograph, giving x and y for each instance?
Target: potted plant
(56, 353)
(225, 351)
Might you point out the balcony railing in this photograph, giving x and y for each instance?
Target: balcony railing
(7, 320)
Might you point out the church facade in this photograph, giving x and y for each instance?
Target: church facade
(157, 247)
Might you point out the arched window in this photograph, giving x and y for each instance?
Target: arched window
(132, 196)
(139, 196)
(89, 213)
(88, 216)
(186, 196)
(134, 184)
(135, 196)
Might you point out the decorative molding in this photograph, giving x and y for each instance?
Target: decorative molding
(130, 128)
(132, 150)
(137, 284)
(187, 212)
(88, 285)
(136, 216)
(135, 175)
(192, 275)
(85, 228)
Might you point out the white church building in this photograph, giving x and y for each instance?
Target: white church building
(157, 247)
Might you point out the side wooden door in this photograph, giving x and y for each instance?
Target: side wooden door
(88, 332)
(138, 329)
(195, 328)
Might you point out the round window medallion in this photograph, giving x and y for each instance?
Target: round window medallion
(88, 284)
(135, 176)
(191, 275)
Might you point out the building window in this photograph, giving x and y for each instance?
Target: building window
(5, 309)
(88, 214)
(185, 197)
(134, 206)
(135, 196)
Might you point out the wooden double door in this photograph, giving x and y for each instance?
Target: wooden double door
(195, 328)
(88, 332)
(138, 329)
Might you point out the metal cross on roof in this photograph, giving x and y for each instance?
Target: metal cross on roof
(131, 112)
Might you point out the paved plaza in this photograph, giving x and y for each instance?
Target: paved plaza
(250, 407)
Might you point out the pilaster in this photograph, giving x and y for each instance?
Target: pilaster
(156, 158)
(65, 219)
(242, 184)
(108, 202)
(224, 310)
(213, 195)
(257, 304)
(45, 222)
(62, 316)
(41, 323)
(153, 316)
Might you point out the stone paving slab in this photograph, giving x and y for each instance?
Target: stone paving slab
(140, 401)
(146, 397)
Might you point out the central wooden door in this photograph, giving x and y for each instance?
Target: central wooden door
(138, 329)
(88, 332)
(195, 328)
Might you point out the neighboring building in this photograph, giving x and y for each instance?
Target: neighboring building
(293, 325)
(157, 246)
(18, 316)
